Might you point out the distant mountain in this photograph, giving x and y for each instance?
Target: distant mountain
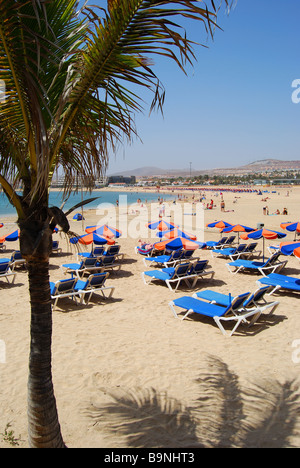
(273, 164)
(260, 166)
(256, 166)
(147, 171)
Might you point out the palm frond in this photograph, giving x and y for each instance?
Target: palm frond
(73, 79)
(117, 55)
(79, 205)
(37, 39)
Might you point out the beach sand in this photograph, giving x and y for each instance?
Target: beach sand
(128, 374)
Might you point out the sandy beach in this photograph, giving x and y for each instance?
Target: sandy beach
(128, 374)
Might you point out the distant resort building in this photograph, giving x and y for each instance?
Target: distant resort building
(121, 180)
(59, 181)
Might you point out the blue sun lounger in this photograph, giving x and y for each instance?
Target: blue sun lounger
(17, 260)
(198, 270)
(6, 270)
(74, 288)
(186, 255)
(55, 247)
(278, 282)
(107, 262)
(223, 243)
(229, 251)
(170, 275)
(63, 288)
(164, 260)
(87, 265)
(217, 244)
(96, 252)
(234, 312)
(111, 250)
(271, 265)
(250, 251)
(253, 301)
(95, 283)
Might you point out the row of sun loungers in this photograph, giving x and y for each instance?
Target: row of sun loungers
(177, 267)
(111, 250)
(150, 251)
(223, 242)
(171, 259)
(91, 264)
(174, 273)
(77, 289)
(234, 253)
(243, 309)
(189, 273)
(95, 264)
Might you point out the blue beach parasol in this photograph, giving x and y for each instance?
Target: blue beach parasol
(177, 244)
(289, 248)
(78, 217)
(104, 230)
(292, 227)
(264, 234)
(162, 225)
(91, 238)
(219, 224)
(11, 237)
(238, 228)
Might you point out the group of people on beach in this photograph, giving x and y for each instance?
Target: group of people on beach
(277, 212)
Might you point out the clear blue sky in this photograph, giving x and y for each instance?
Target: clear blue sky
(235, 105)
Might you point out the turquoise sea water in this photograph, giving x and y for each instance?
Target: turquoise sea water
(56, 199)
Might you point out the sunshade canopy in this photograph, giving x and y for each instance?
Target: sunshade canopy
(11, 237)
(238, 228)
(162, 225)
(219, 224)
(78, 217)
(104, 230)
(91, 238)
(289, 248)
(291, 227)
(297, 252)
(176, 244)
(263, 233)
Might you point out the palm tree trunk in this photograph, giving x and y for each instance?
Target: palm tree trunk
(44, 428)
(35, 242)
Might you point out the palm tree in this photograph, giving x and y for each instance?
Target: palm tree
(70, 76)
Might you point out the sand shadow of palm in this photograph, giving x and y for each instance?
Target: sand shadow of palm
(146, 418)
(223, 414)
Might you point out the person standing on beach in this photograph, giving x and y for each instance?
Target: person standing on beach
(265, 210)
